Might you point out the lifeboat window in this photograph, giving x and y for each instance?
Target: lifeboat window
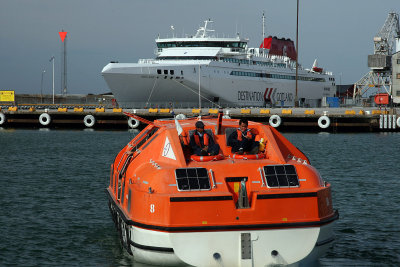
(147, 134)
(129, 200)
(158, 71)
(281, 176)
(151, 133)
(165, 71)
(171, 72)
(192, 179)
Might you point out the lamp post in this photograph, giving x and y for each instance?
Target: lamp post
(41, 87)
(52, 60)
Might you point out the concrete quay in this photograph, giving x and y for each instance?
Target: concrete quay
(284, 119)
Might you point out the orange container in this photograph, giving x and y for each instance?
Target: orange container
(381, 99)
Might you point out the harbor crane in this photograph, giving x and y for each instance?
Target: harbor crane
(380, 63)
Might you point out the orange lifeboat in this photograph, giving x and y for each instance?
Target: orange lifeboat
(272, 208)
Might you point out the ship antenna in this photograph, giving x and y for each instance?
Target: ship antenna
(199, 94)
(263, 31)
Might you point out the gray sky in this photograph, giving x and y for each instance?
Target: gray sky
(338, 33)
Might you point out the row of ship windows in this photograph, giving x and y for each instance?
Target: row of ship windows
(276, 76)
(230, 60)
(261, 63)
(172, 72)
(255, 74)
(202, 44)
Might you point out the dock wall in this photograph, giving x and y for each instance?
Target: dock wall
(289, 119)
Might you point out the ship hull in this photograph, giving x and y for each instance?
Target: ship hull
(270, 245)
(221, 83)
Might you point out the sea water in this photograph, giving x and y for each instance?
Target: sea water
(54, 206)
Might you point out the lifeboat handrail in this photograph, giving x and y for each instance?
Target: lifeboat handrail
(122, 171)
(262, 176)
(126, 163)
(212, 178)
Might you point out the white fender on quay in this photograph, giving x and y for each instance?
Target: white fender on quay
(44, 119)
(89, 120)
(2, 118)
(324, 122)
(275, 121)
(133, 123)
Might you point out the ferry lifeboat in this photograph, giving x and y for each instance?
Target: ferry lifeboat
(172, 208)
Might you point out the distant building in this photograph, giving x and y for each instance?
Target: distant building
(345, 90)
(396, 77)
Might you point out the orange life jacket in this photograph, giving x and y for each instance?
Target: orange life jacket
(249, 135)
(205, 139)
(183, 138)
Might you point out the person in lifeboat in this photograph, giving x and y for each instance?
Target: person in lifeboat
(202, 143)
(243, 139)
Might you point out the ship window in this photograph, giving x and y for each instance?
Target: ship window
(165, 71)
(281, 176)
(171, 72)
(158, 71)
(189, 179)
(181, 72)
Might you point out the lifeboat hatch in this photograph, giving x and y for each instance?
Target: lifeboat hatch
(237, 186)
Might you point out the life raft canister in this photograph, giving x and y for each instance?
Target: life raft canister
(249, 156)
(44, 119)
(206, 158)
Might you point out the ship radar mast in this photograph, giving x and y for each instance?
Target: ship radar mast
(202, 32)
(263, 31)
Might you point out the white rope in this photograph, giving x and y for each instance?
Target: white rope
(154, 85)
(194, 91)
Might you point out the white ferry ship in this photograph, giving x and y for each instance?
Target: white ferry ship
(225, 72)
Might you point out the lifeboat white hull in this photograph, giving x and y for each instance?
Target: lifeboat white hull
(295, 247)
